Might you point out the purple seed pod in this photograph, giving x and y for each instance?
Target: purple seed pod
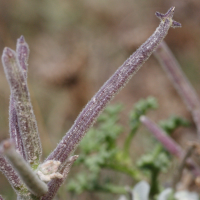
(169, 144)
(114, 84)
(25, 116)
(22, 50)
(14, 128)
(180, 81)
(10, 174)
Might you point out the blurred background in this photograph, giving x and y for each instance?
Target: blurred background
(75, 46)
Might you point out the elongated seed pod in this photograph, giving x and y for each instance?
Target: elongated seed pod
(169, 144)
(22, 51)
(25, 116)
(15, 134)
(114, 84)
(180, 81)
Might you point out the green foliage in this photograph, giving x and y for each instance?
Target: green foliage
(153, 163)
(158, 160)
(172, 123)
(99, 150)
(140, 108)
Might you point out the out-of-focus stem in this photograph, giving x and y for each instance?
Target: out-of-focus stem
(168, 143)
(29, 177)
(128, 140)
(130, 171)
(25, 116)
(1, 198)
(182, 165)
(114, 84)
(181, 83)
(111, 188)
(162, 137)
(55, 184)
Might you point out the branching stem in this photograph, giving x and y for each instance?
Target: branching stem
(29, 177)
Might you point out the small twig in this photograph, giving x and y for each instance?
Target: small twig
(183, 163)
(106, 93)
(168, 143)
(180, 81)
(29, 177)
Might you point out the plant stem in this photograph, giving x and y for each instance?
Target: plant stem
(11, 175)
(29, 177)
(110, 188)
(128, 140)
(55, 184)
(179, 171)
(180, 81)
(132, 172)
(154, 182)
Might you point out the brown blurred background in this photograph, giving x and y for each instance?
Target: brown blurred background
(75, 47)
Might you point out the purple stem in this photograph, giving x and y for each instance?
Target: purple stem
(106, 93)
(55, 184)
(168, 143)
(181, 83)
